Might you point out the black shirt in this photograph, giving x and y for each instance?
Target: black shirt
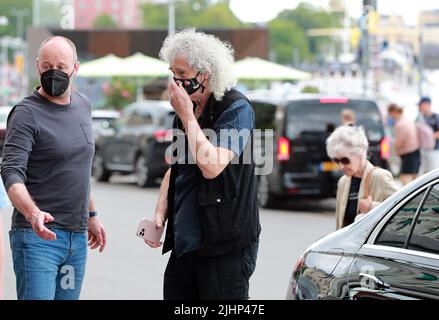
(187, 211)
(351, 208)
(49, 148)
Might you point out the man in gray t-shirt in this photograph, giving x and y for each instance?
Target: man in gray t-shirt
(46, 170)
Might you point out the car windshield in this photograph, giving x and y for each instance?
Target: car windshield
(313, 117)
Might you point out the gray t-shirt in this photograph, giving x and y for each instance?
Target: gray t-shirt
(49, 148)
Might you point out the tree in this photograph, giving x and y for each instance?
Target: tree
(306, 17)
(119, 92)
(192, 13)
(104, 21)
(7, 7)
(284, 37)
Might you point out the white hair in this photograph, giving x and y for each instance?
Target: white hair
(205, 53)
(347, 140)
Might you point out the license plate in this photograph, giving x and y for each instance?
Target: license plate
(328, 166)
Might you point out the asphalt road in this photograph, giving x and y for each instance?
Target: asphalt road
(128, 269)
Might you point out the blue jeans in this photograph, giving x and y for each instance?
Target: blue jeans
(48, 270)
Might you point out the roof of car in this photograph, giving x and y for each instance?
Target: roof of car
(152, 105)
(105, 114)
(282, 97)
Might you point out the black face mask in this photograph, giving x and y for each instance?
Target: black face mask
(55, 82)
(190, 85)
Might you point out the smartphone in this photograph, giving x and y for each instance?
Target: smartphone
(148, 230)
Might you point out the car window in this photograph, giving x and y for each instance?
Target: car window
(426, 233)
(139, 118)
(264, 115)
(311, 117)
(167, 119)
(397, 229)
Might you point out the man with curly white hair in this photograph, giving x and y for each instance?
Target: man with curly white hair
(210, 203)
(363, 186)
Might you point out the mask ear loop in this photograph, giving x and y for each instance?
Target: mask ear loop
(201, 84)
(73, 68)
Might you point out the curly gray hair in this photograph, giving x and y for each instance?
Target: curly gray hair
(205, 53)
(347, 140)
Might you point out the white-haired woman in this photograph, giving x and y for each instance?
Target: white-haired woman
(362, 186)
(211, 205)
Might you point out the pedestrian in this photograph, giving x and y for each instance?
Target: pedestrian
(347, 117)
(406, 144)
(430, 158)
(4, 202)
(210, 206)
(46, 169)
(362, 186)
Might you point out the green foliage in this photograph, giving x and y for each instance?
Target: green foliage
(305, 16)
(6, 8)
(284, 36)
(287, 30)
(155, 16)
(104, 21)
(119, 92)
(192, 13)
(310, 89)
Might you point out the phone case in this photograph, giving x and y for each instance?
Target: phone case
(147, 230)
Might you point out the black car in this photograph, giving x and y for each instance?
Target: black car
(392, 253)
(102, 121)
(136, 144)
(301, 124)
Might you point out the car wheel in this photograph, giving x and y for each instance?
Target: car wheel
(266, 199)
(98, 169)
(143, 177)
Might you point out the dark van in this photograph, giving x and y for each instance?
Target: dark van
(301, 124)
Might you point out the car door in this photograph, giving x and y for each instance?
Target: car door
(401, 257)
(118, 151)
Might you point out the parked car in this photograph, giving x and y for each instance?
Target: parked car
(301, 124)
(136, 144)
(392, 253)
(102, 121)
(4, 112)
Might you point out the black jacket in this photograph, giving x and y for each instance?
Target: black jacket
(230, 219)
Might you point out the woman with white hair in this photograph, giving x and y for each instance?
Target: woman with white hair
(211, 204)
(363, 186)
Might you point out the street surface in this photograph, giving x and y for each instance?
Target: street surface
(129, 269)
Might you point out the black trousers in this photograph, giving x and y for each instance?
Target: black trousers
(195, 277)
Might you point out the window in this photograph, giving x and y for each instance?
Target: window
(426, 233)
(264, 115)
(310, 118)
(137, 119)
(396, 231)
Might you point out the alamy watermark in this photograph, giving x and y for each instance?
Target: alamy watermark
(257, 147)
(67, 281)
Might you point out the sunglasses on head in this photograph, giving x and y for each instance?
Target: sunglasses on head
(344, 161)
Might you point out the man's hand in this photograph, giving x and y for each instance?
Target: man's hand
(365, 205)
(180, 100)
(37, 220)
(96, 234)
(159, 222)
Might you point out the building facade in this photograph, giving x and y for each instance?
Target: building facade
(125, 13)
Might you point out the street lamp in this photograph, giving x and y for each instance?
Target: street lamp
(171, 17)
(20, 14)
